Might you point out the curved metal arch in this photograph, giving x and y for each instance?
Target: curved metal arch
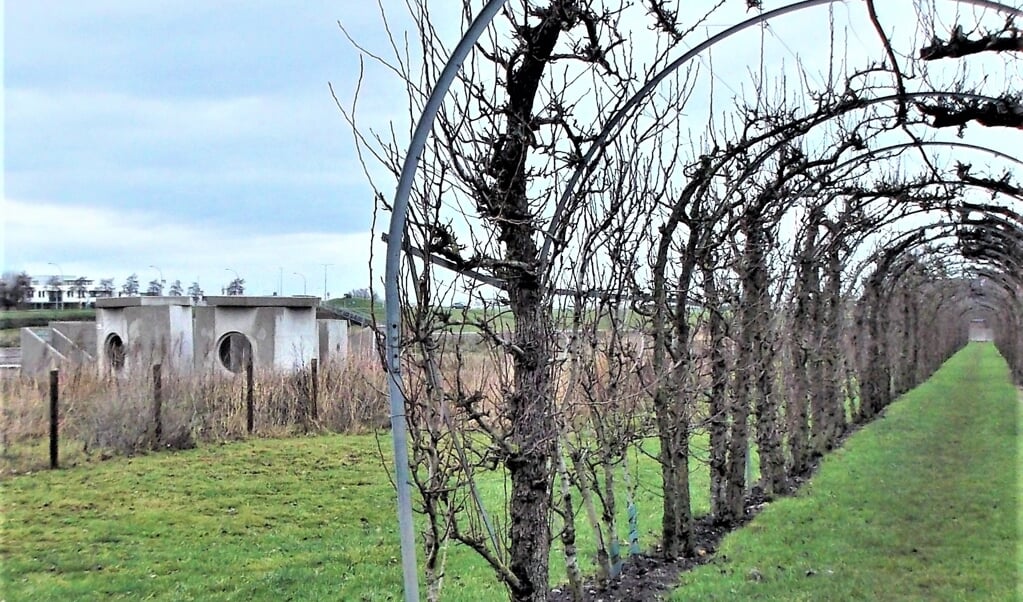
(885, 278)
(1004, 218)
(392, 310)
(872, 153)
(601, 139)
(1015, 217)
(816, 120)
(805, 124)
(944, 230)
(900, 245)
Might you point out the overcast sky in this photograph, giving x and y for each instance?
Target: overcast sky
(197, 137)
(200, 137)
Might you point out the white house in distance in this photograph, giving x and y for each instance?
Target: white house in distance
(68, 292)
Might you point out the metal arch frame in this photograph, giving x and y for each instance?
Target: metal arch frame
(392, 309)
(942, 233)
(600, 141)
(884, 278)
(872, 154)
(399, 214)
(807, 122)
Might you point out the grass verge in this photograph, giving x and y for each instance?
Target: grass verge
(920, 505)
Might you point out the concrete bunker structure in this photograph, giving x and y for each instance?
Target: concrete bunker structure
(219, 334)
(133, 333)
(276, 333)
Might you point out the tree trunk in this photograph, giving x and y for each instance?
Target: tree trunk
(718, 400)
(761, 348)
(804, 324)
(827, 410)
(530, 404)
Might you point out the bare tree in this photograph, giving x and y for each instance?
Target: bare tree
(131, 285)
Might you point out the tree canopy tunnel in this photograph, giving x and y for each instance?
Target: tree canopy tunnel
(595, 254)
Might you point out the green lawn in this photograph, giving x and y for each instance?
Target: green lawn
(921, 505)
(301, 519)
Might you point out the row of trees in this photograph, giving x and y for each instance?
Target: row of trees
(156, 288)
(763, 282)
(16, 288)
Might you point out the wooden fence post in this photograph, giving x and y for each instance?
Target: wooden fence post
(157, 406)
(54, 417)
(316, 388)
(250, 409)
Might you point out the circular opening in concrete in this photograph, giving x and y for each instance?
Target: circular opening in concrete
(234, 351)
(115, 351)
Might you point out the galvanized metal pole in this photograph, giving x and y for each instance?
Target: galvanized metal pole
(396, 232)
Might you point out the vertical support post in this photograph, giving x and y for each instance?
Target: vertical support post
(157, 406)
(314, 368)
(54, 416)
(250, 406)
(396, 234)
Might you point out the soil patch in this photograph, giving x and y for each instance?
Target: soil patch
(646, 577)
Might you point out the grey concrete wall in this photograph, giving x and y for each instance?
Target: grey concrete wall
(333, 339)
(150, 333)
(362, 342)
(203, 338)
(296, 343)
(74, 340)
(214, 323)
(38, 357)
(182, 343)
(282, 338)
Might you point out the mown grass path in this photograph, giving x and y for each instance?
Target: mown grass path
(923, 504)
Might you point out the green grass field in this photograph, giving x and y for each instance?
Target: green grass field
(18, 318)
(923, 504)
(919, 506)
(302, 519)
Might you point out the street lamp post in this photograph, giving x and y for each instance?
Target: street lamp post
(303, 282)
(60, 286)
(162, 281)
(325, 266)
(236, 276)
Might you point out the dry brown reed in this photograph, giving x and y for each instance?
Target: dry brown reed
(107, 414)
